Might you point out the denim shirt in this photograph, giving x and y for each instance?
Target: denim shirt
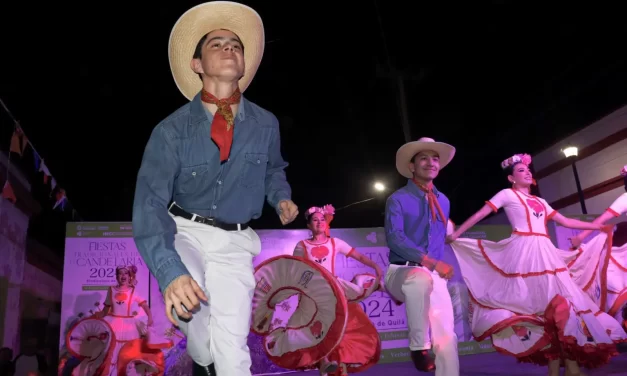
(410, 231)
(181, 163)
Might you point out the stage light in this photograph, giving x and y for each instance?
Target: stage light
(379, 187)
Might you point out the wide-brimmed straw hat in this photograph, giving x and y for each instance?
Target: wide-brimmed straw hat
(202, 19)
(406, 152)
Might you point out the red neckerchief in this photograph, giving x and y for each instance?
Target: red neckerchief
(223, 121)
(434, 205)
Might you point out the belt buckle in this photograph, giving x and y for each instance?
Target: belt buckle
(209, 221)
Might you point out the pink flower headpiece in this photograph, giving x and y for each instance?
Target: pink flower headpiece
(623, 172)
(516, 158)
(130, 268)
(325, 210)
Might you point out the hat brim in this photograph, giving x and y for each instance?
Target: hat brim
(406, 152)
(242, 20)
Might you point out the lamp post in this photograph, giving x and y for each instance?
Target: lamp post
(572, 152)
(378, 187)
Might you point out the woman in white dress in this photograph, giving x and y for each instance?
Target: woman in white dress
(610, 289)
(329, 329)
(521, 293)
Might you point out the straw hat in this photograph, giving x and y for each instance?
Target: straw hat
(202, 19)
(406, 152)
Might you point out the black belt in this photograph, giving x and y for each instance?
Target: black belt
(406, 263)
(179, 212)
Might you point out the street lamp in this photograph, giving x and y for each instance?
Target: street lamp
(378, 187)
(572, 152)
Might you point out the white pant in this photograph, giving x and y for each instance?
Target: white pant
(221, 263)
(428, 305)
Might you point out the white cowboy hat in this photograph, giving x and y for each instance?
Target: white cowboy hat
(406, 152)
(202, 19)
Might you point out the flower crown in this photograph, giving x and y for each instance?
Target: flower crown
(623, 172)
(130, 268)
(325, 210)
(516, 158)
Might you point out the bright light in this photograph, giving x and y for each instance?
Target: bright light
(379, 187)
(570, 151)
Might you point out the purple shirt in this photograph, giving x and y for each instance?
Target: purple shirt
(410, 231)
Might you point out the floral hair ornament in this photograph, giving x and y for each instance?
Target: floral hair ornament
(623, 172)
(516, 158)
(328, 211)
(131, 268)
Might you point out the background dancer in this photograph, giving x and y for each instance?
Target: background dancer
(522, 294)
(611, 270)
(360, 346)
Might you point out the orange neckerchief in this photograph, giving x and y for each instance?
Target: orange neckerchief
(434, 205)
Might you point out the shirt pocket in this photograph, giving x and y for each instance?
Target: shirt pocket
(192, 179)
(253, 173)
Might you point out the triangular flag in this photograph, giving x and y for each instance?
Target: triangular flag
(43, 168)
(16, 142)
(37, 160)
(60, 199)
(7, 192)
(25, 142)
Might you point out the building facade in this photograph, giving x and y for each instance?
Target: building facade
(602, 150)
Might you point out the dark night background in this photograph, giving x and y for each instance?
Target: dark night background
(88, 82)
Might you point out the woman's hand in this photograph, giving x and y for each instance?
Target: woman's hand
(575, 242)
(451, 238)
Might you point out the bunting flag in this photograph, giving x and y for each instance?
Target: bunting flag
(43, 168)
(19, 144)
(7, 192)
(61, 199)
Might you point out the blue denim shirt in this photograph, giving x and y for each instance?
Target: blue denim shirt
(182, 163)
(409, 228)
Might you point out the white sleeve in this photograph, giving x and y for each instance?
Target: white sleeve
(342, 247)
(619, 207)
(499, 200)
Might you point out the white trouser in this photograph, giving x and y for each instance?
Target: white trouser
(428, 305)
(221, 263)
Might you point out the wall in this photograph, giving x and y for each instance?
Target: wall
(13, 228)
(602, 153)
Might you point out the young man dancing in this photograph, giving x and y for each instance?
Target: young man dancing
(416, 218)
(205, 173)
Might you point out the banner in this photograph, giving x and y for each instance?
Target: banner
(94, 250)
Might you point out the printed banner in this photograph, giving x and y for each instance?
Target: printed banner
(94, 250)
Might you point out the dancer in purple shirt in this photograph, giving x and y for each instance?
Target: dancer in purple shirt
(416, 218)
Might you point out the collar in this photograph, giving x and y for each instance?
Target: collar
(199, 113)
(411, 186)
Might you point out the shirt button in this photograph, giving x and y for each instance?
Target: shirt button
(220, 182)
(213, 207)
(258, 161)
(194, 173)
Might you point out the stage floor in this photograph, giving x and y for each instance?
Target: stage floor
(492, 364)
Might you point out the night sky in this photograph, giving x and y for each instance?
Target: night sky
(89, 83)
